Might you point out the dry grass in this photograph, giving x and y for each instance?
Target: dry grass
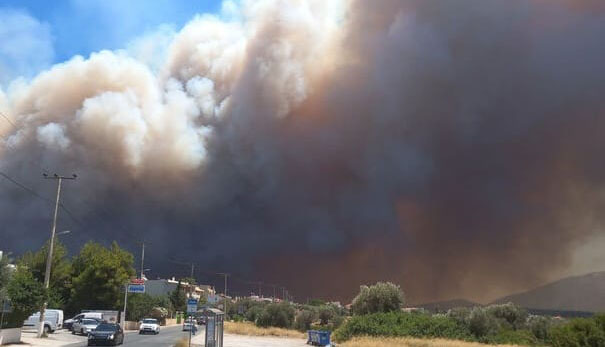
(182, 343)
(243, 328)
(409, 342)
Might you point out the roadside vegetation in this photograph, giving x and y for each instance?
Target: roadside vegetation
(92, 279)
(250, 329)
(410, 342)
(95, 277)
(376, 320)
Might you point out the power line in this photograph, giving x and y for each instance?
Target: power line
(45, 199)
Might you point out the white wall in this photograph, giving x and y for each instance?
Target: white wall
(10, 336)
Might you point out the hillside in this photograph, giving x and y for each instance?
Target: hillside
(577, 293)
(442, 306)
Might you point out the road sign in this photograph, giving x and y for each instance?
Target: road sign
(136, 288)
(137, 281)
(191, 305)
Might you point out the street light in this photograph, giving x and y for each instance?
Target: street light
(63, 232)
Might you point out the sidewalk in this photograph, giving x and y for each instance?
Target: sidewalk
(59, 338)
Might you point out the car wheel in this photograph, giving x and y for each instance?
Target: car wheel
(81, 331)
(46, 329)
(73, 332)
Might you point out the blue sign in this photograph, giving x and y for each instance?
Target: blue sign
(191, 305)
(136, 288)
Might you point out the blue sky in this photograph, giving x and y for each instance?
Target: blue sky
(38, 33)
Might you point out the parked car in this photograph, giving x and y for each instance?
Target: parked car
(189, 324)
(85, 326)
(106, 334)
(68, 323)
(149, 325)
(201, 320)
(51, 321)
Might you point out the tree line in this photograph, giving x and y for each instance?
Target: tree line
(94, 279)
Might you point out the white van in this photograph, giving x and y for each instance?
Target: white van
(59, 318)
(52, 321)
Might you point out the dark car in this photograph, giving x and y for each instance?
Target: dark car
(106, 334)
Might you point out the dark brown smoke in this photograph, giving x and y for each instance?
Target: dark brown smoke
(452, 147)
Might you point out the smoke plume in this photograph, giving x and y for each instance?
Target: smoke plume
(455, 148)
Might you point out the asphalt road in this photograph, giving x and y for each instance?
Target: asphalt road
(168, 336)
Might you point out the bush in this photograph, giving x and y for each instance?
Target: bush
(253, 313)
(516, 337)
(509, 314)
(304, 319)
(395, 324)
(26, 296)
(460, 314)
(276, 315)
(539, 326)
(381, 297)
(481, 323)
(578, 332)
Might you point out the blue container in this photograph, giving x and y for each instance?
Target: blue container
(319, 338)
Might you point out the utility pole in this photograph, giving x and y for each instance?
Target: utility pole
(260, 289)
(192, 267)
(51, 244)
(142, 243)
(226, 275)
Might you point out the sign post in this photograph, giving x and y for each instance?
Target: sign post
(191, 308)
(136, 285)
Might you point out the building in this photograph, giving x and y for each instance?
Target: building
(162, 287)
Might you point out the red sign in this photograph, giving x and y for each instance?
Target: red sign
(137, 281)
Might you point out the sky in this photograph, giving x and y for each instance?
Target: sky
(454, 148)
(37, 34)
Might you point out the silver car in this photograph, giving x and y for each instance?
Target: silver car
(85, 325)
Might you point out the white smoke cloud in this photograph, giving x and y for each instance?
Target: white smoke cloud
(26, 46)
(158, 98)
(52, 135)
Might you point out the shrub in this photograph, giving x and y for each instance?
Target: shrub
(326, 314)
(304, 319)
(253, 313)
(516, 337)
(401, 324)
(381, 297)
(510, 314)
(481, 323)
(139, 306)
(26, 296)
(276, 315)
(539, 326)
(460, 314)
(578, 332)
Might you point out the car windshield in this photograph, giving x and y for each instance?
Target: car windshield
(89, 321)
(107, 327)
(150, 321)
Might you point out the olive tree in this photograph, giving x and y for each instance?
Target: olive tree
(380, 297)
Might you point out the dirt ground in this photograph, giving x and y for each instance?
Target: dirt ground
(232, 340)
